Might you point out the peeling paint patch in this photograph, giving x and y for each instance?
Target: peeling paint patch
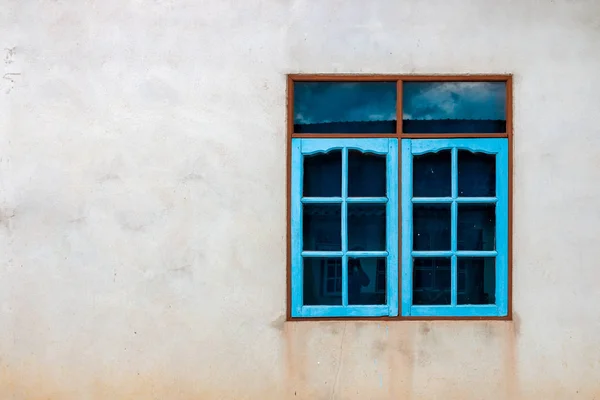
(278, 323)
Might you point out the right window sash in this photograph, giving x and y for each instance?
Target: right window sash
(455, 227)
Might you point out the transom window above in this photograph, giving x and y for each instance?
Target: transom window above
(388, 166)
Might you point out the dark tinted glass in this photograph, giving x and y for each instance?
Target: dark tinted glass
(322, 227)
(476, 280)
(323, 174)
(366, 174)
(345, 107)
(431, 281)
(381, 277)
(366, 281)
(366, 227)
(432, 175)
(454, 107)
(431, 227)
(476, 227)
(476, 174)
(322, 281)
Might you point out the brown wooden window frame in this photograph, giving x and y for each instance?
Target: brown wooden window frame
(399, 134)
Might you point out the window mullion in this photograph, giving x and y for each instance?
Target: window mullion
(344, 226)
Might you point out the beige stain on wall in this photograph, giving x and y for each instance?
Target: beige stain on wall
(330, 360)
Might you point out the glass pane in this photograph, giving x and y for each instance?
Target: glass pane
(366, 174)
(476, 174)
(345, 107)
(322, 281)
(322, 227)
(323, 174)
(476, 227)
(381, 281)
(366, 227)
(431, 281)
(363, 278)
(454, 107)
(431, 227)
(476, 280)
(432, 174)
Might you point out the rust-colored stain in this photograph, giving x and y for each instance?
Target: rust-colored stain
(414, 360)
(328, 360)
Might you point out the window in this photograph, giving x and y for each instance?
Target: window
(399, 196)
(454, 227)
(345, 195)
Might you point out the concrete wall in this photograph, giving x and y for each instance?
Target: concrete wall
(142, 200)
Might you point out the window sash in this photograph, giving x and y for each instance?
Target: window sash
(499, 147)
(410, 147)
(303, 147)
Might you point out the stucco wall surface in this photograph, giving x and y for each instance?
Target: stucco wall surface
(142, 200)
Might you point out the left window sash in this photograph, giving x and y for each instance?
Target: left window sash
(308, 259)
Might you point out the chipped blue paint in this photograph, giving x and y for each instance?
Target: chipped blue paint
(499, 147)
(407, 166)
(422, 146)
(296, 225)
(367, 253)
(302, 147)
(312, 146)
(341, 311)
(488, 310)
(447, 200)
(502, 229)
(367, 200)
(476, 253)
(309, 200)
(392, 227)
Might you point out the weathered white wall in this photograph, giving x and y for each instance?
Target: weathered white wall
(142, 200)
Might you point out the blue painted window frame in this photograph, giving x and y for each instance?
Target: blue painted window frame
(303, 147)
(410, 147)
(498, 147)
